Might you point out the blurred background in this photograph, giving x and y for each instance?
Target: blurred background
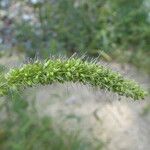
(73, 116)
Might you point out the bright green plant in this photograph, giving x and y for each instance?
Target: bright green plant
(71, 70)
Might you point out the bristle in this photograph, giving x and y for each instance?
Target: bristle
(73, 70)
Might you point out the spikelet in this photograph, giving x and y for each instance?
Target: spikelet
(69, 70)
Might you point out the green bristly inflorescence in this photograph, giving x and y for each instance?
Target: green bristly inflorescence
(71, 70)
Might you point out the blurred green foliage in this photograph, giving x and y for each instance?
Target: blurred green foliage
(46, 27)
(24, 129)
(68, 26)
(72, 25)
